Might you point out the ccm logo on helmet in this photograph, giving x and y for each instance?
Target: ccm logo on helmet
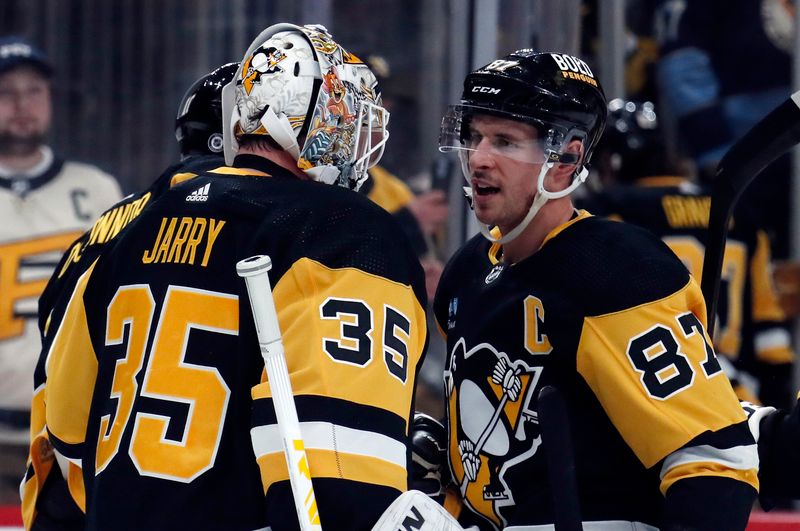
(487, 90)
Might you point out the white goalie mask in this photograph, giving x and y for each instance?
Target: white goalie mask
(317, 101)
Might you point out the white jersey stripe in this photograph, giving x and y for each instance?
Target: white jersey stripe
(328, 436)
(738, 457)
(772, 338)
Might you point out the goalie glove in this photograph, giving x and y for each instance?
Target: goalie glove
(429, 472)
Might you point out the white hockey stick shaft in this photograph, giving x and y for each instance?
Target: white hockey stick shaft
(255, 270)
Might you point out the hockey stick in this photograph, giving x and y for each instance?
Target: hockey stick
(255, 270)
(557, 444)
(770, 138)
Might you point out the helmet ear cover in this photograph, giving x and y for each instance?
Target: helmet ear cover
(198, 124)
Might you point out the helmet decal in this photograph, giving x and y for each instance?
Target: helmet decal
(316, 100)
(265, 62)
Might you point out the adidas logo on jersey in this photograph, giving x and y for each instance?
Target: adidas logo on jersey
(199, 195)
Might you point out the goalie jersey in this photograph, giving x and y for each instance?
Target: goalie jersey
(751, 331)
(606, 313)
(155, 378)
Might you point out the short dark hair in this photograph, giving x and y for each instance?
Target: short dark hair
(260, 142)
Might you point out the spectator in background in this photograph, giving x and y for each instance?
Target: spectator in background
(724, 65)
(45, 203)
(421, 215)
(654, 192)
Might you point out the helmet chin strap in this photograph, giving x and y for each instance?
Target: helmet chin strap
(542, 196)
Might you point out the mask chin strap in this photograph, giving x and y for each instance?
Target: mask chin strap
(542, 196)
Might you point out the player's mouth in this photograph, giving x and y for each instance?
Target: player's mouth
(484, 190)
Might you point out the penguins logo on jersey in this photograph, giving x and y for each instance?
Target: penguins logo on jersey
(495, 273)
(493, 425)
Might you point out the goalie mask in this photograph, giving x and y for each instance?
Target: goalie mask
(317, 101)
(556, 93)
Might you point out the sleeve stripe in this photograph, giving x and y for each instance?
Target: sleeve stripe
(313, 408)
(771, 338)
(327, 464)
(70, 452)
(339, 439)
(736, 458)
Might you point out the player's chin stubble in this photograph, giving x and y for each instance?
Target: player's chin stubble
(20, 146)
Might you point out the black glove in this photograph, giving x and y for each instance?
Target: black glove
(429, 470)
(779, 458)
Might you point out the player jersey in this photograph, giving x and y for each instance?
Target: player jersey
(39, 217)
(155, 377)
(74, 262)
(750, 329)
(608, 315)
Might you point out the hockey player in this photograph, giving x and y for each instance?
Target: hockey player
(654, 193)
(603, 311)
(155, 378)
(47, 500)
(45, 203)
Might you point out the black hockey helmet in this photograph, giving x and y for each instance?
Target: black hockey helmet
(555, 92)
(198, 126)
(634, 144)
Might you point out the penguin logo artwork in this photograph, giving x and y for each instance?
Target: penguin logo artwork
(490, 400)
(261, 62)
(495, 273)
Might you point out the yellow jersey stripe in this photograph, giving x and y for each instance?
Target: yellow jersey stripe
(178, 178)
(328, 464)
(773, 346)
(71, 370)
(708, 468)
(226, 170)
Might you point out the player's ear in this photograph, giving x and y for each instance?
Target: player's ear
(562, 173)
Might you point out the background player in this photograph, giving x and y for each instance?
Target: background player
(45, 203)
(654, 192)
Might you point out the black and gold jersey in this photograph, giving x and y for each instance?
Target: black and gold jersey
(606, 313)
(750, 328)
(156, 385)
(52, 303)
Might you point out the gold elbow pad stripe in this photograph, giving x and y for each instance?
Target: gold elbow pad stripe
(334, 452)
(739, 463)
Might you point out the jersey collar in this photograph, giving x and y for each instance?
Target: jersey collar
(576, 217)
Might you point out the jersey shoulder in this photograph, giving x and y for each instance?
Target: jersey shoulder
(612, 266)
(275, 213)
